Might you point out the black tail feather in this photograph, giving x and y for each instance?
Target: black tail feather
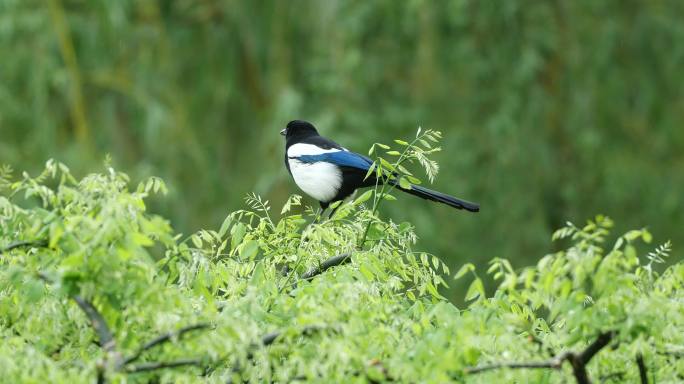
(440, 197)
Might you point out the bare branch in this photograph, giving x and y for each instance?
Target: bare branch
(98, 323)
(146, 367)
(161, 339)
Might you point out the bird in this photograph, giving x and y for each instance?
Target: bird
(328, 172)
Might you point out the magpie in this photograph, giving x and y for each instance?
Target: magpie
(328, 172)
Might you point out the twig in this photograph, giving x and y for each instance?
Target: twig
(642, 368)
(324, 266)
(536, 340)
(554, 363)
(615, 376)
(163, 339)
(578, 361)
(19, 244)
(146, 367)
(270, 338)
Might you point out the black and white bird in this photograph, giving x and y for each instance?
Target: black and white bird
(328, 172)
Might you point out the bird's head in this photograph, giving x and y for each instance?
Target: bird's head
(298, 128)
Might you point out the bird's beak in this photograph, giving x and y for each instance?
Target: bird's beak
(283, 132)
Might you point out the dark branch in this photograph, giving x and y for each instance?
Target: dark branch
(554, 363)
(642, 368)
(615, 376)
(19, 244)
(601, 341)
(161, 339)
(98, 323)
(269, 338)
(331, 262)
(578, 361)
(146, 367)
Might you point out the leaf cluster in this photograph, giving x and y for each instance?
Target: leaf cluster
(94, 286)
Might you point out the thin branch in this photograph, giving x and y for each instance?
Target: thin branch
(161, 339)
(98, 323)
(270, 338)
(20, 244)
(146, 367)
(324, 266)
(536, 340)
(643, 375)
(554, 363)
(615, 376)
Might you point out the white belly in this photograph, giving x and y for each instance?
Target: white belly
(319, 180)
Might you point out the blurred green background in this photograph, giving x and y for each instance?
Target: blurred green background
(551, 110)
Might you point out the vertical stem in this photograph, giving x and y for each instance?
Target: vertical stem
(378, 197)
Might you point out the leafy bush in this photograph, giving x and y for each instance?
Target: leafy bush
(93, 286)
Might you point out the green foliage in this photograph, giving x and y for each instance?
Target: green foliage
(552, 110)
(92, 285)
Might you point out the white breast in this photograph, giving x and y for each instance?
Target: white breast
(319, 180)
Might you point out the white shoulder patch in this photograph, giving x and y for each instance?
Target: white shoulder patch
(300, 149)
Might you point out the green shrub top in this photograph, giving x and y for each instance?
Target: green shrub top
(93, 287)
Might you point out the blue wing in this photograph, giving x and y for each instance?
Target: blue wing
(341, 158)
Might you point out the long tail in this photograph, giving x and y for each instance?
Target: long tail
(440, 197)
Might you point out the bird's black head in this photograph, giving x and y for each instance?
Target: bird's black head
(299, 128)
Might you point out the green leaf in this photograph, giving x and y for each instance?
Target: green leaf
(401, 142)
(646, 235)
(249, 249)
(225, 225)
(404, 183)
(475, 290)
(196, 240)
(370, 171)
(463, 270)
(364, 197)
